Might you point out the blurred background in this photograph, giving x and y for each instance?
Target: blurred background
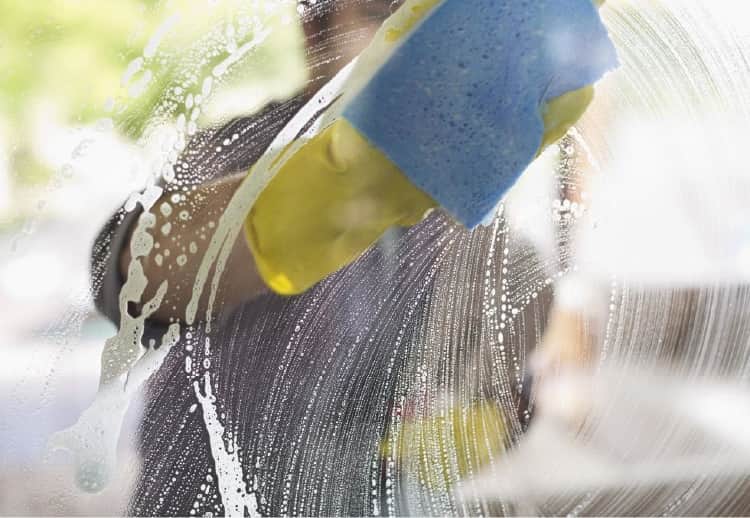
(90, 95)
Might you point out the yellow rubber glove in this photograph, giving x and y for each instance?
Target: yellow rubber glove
(451, 446)
(562, 112)
(338, 194)
(334, 198)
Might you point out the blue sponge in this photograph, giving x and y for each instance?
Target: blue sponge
(458, 105)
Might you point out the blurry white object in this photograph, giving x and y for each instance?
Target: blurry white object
(640, 429)
(672, 206)
(529, 205)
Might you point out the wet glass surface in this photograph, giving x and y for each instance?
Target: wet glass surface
(397, 385)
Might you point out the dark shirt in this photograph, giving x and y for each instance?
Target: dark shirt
(308, 385)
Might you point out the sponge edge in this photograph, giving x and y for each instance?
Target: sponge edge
(459, 105)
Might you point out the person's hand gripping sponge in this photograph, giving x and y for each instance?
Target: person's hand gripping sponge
(472, 93)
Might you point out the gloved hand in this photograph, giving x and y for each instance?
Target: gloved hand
(334, 198)
(340, 191)
(338, 194)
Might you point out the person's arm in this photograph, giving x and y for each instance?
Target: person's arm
(570, 335)
(181, 237)
(205, 205)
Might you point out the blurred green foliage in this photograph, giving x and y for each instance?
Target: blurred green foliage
(71, 55)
